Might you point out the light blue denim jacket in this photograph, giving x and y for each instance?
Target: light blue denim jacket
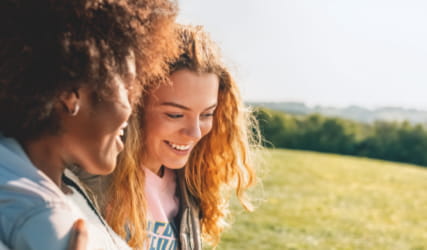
(34, 213)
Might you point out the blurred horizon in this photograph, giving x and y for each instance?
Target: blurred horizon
(370, 54)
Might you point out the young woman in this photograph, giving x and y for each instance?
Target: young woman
(189, 144)
(68, 78)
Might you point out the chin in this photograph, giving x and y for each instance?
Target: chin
(107, 171)
(110, 168)
(175, 165)
(103, 168)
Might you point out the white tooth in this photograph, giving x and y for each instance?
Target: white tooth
(179, 147)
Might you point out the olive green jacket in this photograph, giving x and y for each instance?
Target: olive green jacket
(188, 217)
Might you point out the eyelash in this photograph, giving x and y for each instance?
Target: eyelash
(207, 115)
(176, 116)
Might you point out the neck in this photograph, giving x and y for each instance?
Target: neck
(45, 154)
(155, 168)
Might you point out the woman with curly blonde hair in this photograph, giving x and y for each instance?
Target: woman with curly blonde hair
(188, 146)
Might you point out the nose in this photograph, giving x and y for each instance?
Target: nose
(192, 129)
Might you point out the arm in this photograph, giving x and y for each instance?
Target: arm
(48, 229)
(3, 247)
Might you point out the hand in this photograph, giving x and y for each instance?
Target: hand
(78, 239)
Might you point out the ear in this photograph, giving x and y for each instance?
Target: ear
(70, 100)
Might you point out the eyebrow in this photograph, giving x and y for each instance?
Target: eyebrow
(182, 106)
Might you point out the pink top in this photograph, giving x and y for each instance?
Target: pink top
(163, 206)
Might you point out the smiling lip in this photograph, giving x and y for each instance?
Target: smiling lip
(121, 136)
(120, 143)
(181, 149)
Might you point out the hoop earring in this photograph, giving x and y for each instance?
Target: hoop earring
(75, 110)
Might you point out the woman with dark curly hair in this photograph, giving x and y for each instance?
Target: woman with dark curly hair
(70, 73)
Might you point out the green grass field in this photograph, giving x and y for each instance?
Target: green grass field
(324, 201)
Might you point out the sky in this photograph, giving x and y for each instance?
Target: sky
(371, 53)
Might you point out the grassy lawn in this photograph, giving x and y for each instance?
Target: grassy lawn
(323, 201)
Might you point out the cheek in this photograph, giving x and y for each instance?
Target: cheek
(112, 117)
(156, 129)
(206, 127)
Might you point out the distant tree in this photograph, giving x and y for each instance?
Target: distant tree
(337, 136)
(383, 141)
(395, 141)
(271, 126)
(413, 144)
(278, 129)
(310, 131)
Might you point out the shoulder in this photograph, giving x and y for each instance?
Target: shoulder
(30, 202)
(21, 195)
(22, 222)
(28, 208)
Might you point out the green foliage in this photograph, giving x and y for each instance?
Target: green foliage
(316, 201)
(383, 140)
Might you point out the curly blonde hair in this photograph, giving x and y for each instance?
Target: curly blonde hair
(219, 163)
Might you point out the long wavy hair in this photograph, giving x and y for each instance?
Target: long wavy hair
(220, 162)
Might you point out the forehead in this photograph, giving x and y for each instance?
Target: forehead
(125, 81)
(188, 87)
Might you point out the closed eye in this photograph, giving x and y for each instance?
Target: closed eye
(207, 115)
(174, 116)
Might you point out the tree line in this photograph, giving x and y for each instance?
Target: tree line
(394, 141)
